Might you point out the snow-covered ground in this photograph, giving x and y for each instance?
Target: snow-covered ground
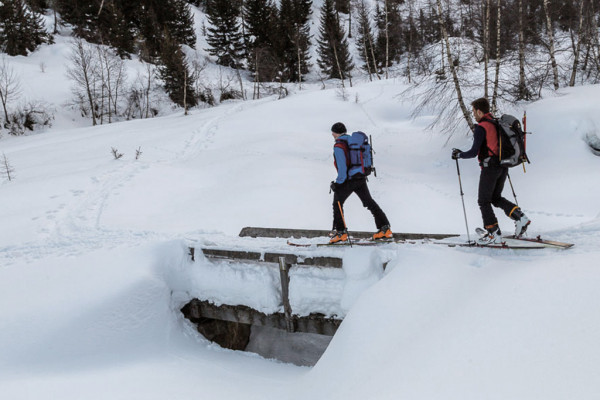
(94, 265)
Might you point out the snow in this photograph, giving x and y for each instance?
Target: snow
(94, 265)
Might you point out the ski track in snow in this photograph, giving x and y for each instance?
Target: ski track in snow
(74, 227)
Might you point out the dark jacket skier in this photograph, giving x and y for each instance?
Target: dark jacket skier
(350, 180)
(493, 176)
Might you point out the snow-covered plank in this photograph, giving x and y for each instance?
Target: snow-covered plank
(271, 257)
(251, 231)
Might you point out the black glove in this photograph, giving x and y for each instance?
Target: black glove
(333, 187)
(456, 154)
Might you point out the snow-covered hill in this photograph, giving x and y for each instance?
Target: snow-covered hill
(94, 266)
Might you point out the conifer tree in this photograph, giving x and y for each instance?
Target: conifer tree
(261, 25)
(294, 42)
(224, 36)
(116, 28)
(174, 72)
(389, 37)
(82, 15)
(159, 17)
(21, 30)
(201, 4)
(365, 40)
(179, 22)
(334, 57)
(342, 6)
(39, 6)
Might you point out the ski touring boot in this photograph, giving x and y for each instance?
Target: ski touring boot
(338, 237)
(383, 233)
(521, 222)
(493, 236)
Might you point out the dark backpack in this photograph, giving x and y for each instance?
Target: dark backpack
(511, 141)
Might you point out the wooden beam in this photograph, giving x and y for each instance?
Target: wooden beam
(285, 298)
(311, 233)
(271, 257)
(196, 309)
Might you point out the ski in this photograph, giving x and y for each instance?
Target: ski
(536, 242)
(506, 244)
(359, 242)
(547, 243)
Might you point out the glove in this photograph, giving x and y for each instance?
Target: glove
(456, 154)
(334, 187)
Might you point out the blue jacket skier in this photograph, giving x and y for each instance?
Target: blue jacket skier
(350, 179)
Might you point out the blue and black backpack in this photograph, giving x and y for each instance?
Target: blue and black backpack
(359, 153)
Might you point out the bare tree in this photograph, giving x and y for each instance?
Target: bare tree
(486, 47)
(522, 92)
(497, 76)
(10, 86)
(463, 107)
(7, 170)
(577, 47)
(551, 44)
(387, 39)
(113, 75)
(140, 93)
(83, 72)
(116, 153)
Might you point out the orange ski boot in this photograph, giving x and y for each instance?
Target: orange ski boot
(339, 237)
(384, 233)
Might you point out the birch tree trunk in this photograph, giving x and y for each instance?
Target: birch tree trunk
(459, 95)
(522, 92)
(387, 41)
(577, 49)
(299, 54)
(552, 50)
(365, 49)
(185, 78)
(410, 40)
(337, 62)
(497, 77)
(486, 47)
(374, 59)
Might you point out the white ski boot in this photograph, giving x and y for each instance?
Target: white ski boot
(493, 236)
(521, 225)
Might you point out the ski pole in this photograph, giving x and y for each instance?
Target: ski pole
(345, 226)
(463, 201)
(513, 189)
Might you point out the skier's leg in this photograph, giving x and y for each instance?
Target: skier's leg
(340, 196)
(362, 191)
(497, 200)
(487, 184)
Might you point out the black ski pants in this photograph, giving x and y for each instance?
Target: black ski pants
(358, 186)
(491, 184)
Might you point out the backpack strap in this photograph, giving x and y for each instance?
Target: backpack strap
(342, 144)
(494, 122)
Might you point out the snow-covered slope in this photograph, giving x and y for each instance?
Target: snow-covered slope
(93, 263)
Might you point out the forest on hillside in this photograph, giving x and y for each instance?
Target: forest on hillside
(522, 47)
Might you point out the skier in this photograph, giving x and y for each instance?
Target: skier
(351, 180)
(493, 176)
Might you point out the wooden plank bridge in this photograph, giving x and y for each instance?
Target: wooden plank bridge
(198, 311)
